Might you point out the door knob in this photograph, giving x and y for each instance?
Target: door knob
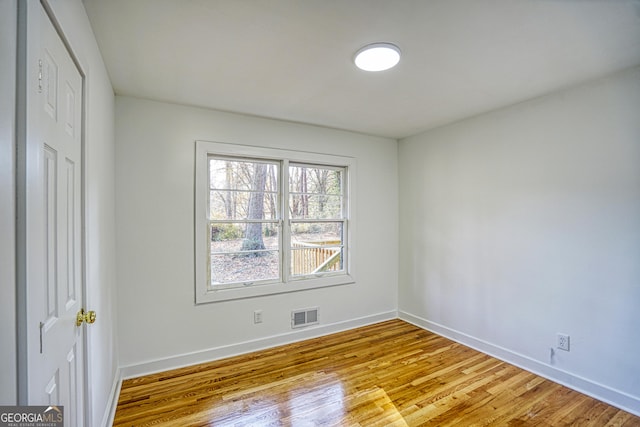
(85, 316)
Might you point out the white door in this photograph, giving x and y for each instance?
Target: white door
(53, 253)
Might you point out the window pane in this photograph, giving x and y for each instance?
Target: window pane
(245, 267)
(229, 205)
(321, 233)
(226, 174)
(315, 179)
(316, 247)
(244, 253)
(242, 189)
(238, 237)
(315, 206)
(307, 259)
(315, 192)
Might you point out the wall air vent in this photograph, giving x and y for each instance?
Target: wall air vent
(306, 317)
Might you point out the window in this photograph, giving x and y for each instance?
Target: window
(270, 221)
(244, 221)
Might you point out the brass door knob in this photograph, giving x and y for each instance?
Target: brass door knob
(85, 316)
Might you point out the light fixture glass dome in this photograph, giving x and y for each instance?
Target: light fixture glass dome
(377, 57)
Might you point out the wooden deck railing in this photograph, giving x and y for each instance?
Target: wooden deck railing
(314, 257)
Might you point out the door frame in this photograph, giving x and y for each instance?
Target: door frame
(26, 78)
(8, 51)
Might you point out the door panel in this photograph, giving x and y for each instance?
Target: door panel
(54, 277)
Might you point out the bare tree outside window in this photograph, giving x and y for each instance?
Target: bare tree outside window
(253, 237)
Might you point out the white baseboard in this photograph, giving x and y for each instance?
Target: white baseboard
(112, 404)
(598, 391)
(188, 359)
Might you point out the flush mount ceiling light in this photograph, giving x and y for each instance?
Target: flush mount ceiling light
(377, 57)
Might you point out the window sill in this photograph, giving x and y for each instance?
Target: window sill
(257, 290)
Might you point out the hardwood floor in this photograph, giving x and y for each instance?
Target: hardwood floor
(387, 374)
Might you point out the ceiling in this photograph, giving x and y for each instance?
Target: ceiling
(292, 59)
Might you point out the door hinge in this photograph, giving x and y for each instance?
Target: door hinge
(39, 75)
(41, 326)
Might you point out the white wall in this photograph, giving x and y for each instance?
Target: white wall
(158, 320)
(8, 34)
(525, 222)
(99, 206)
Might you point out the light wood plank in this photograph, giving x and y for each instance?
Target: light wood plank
(388, 374)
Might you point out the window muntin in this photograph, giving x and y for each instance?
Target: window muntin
(308, 220)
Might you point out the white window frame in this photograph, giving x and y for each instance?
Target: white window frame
(204, 292)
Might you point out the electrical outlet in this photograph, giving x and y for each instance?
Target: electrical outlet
(257, 316)
(563, 342)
